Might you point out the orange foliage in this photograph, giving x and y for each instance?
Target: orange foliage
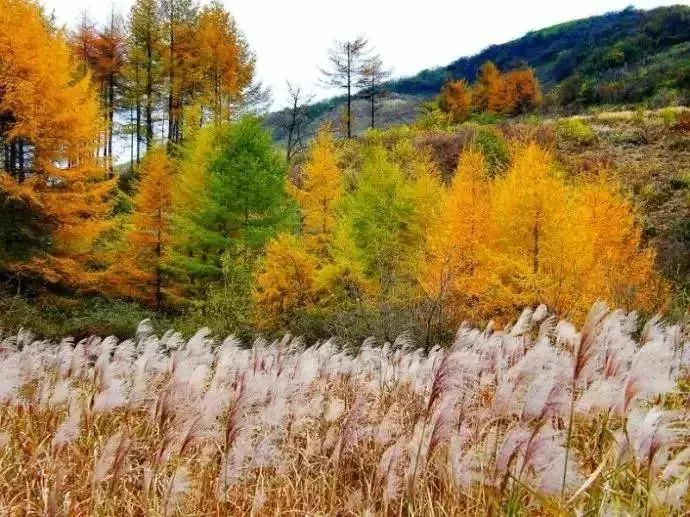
(53, 119)
(456, 100)
(522, 91)
(516, 92)
(225, 62)
(138, 269)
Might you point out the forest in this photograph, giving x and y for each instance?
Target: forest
(211, 223)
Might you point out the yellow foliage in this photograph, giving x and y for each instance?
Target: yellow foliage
(455, 244)
(319, 190)
(531, 237)
(285, 283)
(54, 119)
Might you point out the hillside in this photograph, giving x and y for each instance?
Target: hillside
(627, 56)
(617, 58)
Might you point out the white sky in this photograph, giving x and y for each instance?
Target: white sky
(291, 37)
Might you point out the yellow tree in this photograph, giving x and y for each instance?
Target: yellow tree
(285, 283)
(621, 270)
(532, 233)
(318, 191)
(455, 274)
(49, 129)
(563, 244)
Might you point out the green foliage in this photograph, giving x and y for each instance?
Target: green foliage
(575, 130)
(247, 199)
(494, 147)
(379, 218)
(637, 53)
(56, 317)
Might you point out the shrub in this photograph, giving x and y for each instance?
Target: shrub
(575, 130)
(683, 123)
(669, 116)
(494, 147)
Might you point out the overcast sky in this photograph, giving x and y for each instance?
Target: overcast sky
(291, 37)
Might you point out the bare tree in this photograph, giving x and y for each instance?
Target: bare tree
(294, 119)
(256, 99)
(373, 75)
(345, 60)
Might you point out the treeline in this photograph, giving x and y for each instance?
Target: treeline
(165, 57)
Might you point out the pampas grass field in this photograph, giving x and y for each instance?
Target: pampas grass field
(538, 419)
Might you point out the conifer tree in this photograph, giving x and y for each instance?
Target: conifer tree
(49, 130)
(140, 268)
(318, 191)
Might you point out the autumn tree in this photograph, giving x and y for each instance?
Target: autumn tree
(373, 75)
(144, 48)
(318, 191)
(179, 26)
(522, 91)
(48, 131)
(558, 243)
(225, 61)
(285, 282)
(381, 233)
(107, 69)
(139, 269)
(456, 100)
(489, 90)
(344, 68)
(83, 41)
(454, 274)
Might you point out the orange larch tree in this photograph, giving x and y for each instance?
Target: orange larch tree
(522, 91)
(226, 64)
(146, 245)
(456, 100)
(49, 129)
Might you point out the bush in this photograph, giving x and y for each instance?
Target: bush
(680, 181)
(575, 130)
(54, 317)
(669, 116)
(683, 123)
(485, 118)
(494, 147)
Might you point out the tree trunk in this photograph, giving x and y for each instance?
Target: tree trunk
(149, 92)
(111, 121)
(171, 80)
(349, 92)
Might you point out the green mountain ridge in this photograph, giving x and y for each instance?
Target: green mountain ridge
(618, 58)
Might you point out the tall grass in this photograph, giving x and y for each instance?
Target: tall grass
(539, 418)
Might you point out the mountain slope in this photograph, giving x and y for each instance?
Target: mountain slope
(616, 58)
(611, 48)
